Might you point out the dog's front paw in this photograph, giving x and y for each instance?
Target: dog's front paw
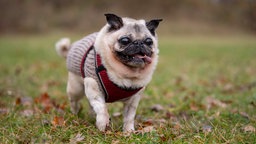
(128, 127)
(75, 107)
(102, 121)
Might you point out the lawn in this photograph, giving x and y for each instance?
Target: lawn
(203, 91)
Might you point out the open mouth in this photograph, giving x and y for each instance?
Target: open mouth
(144, 57)
(138, 58)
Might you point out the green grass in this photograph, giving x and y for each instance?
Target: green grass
(201, 82)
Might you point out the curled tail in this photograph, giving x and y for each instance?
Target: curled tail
(62, 47)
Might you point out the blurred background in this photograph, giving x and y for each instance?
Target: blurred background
(84, 16)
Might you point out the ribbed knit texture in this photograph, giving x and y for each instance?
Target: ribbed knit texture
(75, 56)
(76, 53)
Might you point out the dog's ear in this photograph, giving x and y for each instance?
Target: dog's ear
(152, 25)
(114, 21)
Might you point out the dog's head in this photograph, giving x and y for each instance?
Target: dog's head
(132, 42)
(129, 50)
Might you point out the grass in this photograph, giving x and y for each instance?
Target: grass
(205, 87)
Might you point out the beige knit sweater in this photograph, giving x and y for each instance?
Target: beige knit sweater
(76, 54)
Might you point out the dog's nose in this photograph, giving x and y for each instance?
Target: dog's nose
(138, 43)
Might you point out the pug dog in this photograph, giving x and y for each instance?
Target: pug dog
(114, 64)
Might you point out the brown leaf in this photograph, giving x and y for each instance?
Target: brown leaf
(211, 102)
(146, 129)
(193, 107)
(163, 138)
(45, 101)
(24, 101)
(148, 122)
(249, 128)
(170, 115)
(157, 108)
(115, 142)
(44, 98)
(60, 108)
(161, 121)
(244, 114)
(177, 126)
(18, 101)
(58, 121)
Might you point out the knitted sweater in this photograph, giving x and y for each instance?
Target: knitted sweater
(76, 54)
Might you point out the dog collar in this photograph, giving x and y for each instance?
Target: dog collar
(112, 91)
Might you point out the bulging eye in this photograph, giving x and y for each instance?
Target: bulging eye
(148, 41)
(125, 41)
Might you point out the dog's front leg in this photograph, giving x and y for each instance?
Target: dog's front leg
(97, 101)
(130, 107)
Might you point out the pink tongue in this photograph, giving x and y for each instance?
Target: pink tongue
(146, 58)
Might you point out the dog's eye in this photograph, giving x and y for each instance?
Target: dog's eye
(125, 41)
(148, 41)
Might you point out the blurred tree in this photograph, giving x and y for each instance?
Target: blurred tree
(45, 15)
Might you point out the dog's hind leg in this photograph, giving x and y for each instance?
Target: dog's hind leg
(75, 91)
(97, 102)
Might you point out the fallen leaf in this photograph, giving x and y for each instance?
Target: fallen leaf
(18, 101)
(170, 115)
(108, 131)
(58, 121)
(78, 138)
(244, 114)
(228, 88)
(10, 92)
(177, 126)
(45, 101)
(4, 111)
(115, 142)
(207, 128)
(161, 121)
(27, 112)
(157, 108)
(146, 129)
(193, 107)
(163, 138)
(24, 101)
(211, 102)
(249, 128)
(46, 122)
(60, 108)
(127, 134)
(148, 122)
(44, 98)
(117, 114)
